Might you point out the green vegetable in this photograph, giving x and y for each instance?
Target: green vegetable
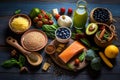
(17, 11)
(85, 41)
(82, 56)
(73, 35)
(96, 63)
(34, 12)
(21, 60)
(10, 63)
(50, 30)
(79, 31)
(90, 54)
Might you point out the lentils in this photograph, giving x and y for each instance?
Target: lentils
(101, 15)
(63, 33)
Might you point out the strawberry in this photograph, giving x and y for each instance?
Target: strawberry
(57, 16)
(62, 10)
(70, 10)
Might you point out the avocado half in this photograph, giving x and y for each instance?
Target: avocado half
(91, 28)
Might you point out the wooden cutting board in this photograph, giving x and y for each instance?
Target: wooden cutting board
(56, 59)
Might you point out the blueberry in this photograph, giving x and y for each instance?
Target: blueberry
(101, 15)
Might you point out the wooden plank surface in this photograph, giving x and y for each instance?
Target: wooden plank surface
(55, 72)
(71, 1)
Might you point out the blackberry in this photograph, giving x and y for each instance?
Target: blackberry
(101, 15)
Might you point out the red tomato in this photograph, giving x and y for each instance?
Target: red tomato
(70, 10)
(62, 10)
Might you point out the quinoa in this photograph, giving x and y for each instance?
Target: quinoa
(20, 24)
(34, 40)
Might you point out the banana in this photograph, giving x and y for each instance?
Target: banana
(106, 61)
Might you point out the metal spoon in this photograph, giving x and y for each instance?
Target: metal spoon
(33, 58)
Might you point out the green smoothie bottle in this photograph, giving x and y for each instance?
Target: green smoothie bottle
(80, 14)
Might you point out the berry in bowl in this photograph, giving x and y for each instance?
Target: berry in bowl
(101, 15)
(63, 34)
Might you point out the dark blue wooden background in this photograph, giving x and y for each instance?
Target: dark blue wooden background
(7, 8)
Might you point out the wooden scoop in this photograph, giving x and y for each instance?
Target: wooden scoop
(33, 58)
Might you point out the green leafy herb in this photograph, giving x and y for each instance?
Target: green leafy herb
(21, 60)
(85, 41)
(82, 56)
(17, 11)
(79, 31)
(10, 63)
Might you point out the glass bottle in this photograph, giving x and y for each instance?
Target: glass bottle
(80, 14)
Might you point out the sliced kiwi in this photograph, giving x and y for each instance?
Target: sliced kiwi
(91, 29)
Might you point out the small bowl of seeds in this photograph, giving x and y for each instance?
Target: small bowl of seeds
(50, 49)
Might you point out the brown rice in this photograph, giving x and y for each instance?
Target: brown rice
(34, 40)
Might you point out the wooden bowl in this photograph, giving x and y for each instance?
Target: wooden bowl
(16, 16)
(34, 40)
(94, 21)
(102, 43)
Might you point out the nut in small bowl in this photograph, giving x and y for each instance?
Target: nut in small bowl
(50, 49)
(63, 34)
(19, 23)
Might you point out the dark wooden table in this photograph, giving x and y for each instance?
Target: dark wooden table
(7, 8)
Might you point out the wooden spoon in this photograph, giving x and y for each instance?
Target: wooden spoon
(33, 58)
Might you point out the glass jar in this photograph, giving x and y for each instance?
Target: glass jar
(80, 14)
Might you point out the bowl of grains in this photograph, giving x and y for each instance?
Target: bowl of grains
(34, 40)
(19, 23)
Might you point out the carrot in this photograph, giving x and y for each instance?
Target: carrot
(102, 33)
(106, 61)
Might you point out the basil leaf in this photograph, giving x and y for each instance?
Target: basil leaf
(9, 63)
(21, 60)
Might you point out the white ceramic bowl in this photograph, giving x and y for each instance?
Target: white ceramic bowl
(63, 34)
